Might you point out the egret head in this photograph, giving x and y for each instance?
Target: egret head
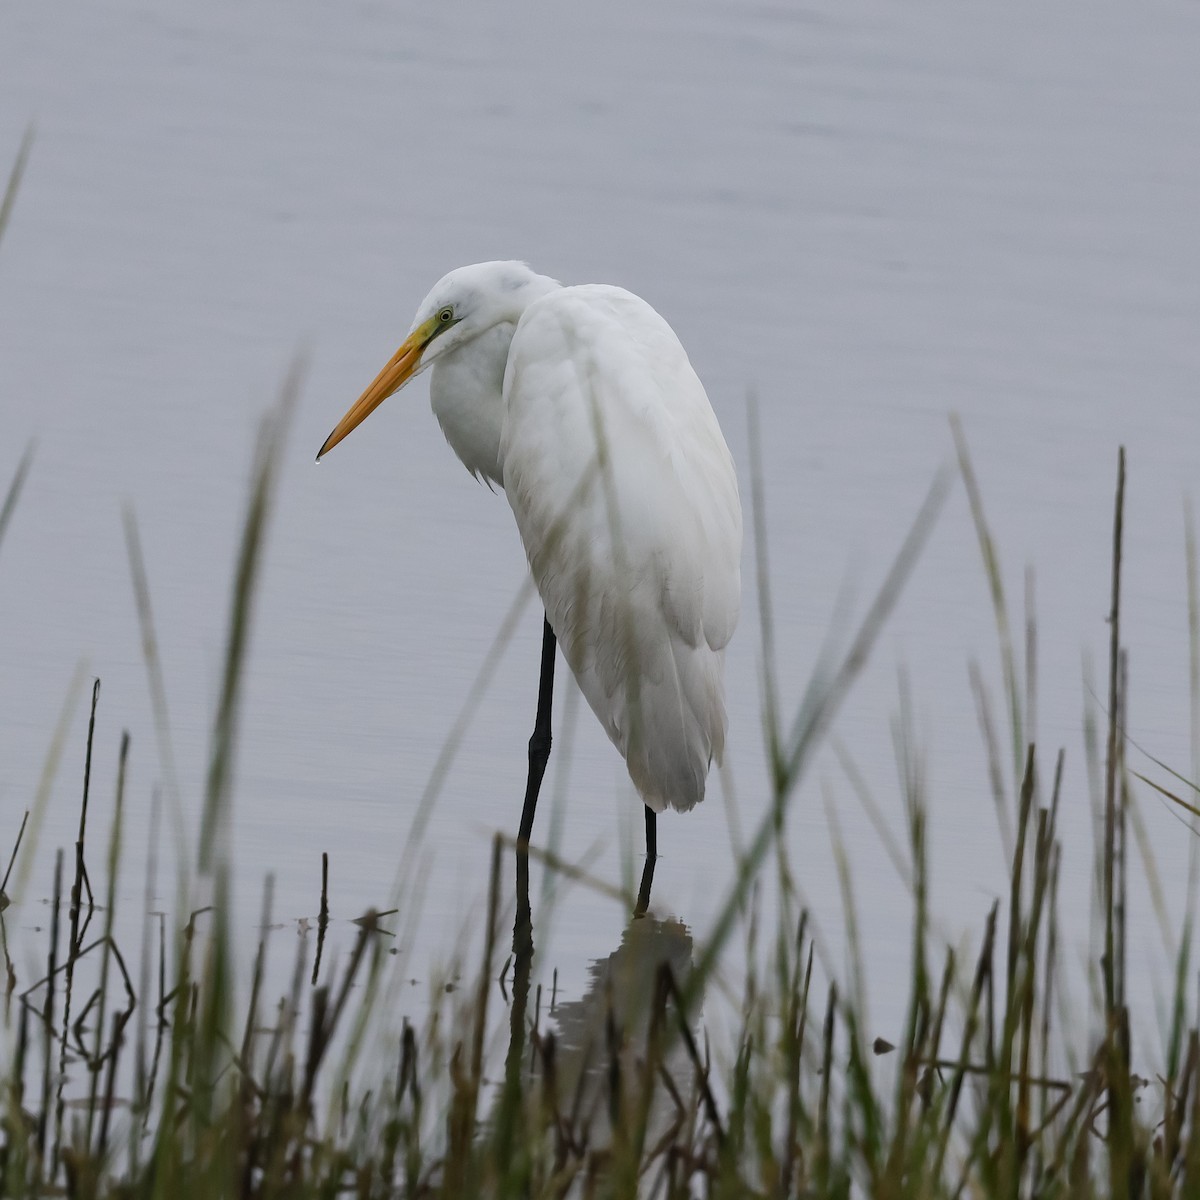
(462, 305)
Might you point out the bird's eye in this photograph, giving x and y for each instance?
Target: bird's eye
(446, 315)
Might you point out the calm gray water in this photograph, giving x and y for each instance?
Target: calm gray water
(869, 217)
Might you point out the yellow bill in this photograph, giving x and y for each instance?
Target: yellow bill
(391, 379)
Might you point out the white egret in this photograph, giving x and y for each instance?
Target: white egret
(581, 404)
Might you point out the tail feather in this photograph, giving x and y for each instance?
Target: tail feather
(669, 723)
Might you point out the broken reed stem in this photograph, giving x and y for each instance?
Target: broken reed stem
(322, 916)
(81, 877)
(323, 1029)
(77, 932)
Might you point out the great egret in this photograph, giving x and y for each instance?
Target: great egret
(582, 405)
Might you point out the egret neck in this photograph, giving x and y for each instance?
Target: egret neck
(466, 387)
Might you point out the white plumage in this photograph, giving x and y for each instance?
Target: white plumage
(581, 403)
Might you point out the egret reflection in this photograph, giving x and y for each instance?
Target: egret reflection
(589, 1056)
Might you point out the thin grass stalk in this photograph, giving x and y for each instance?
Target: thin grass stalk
(1015, 896)
(1110, 772)
(15, 1167)
(216, 819)
(636, 1161)
(48, 1021)
(1192, 566)
(14, 490)
(81, 875)
(1050, 950)
(813, 719)
(823, 1151)
(267, 457)
(197, 1047)
(1030, 997)
(991, 744)
(858, 1088)
(158, 698)
(991, 564)
(983, 967)
(1175, 1107)
(462, 1164)
(766, 619)
(140, 1103)
(1018, 979)
(75, 932)
(793, 1052)
(916, 1029)
(1123, 806)
(934, 1045)
(1189, 1177)
(50, 765)
(871, 807)
(1031, 656)
(114, 859)
(15, 174)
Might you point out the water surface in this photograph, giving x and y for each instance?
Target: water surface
(866, 217)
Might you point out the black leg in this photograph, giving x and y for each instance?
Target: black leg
(539, 755)
(539, 743)
(643, 900)
(510, 1106)
(522, 958)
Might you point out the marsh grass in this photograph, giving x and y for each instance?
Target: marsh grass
(160, 1078)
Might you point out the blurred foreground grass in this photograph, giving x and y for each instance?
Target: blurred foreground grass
(158, 1077)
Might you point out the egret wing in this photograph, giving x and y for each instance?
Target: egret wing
(626, 500)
